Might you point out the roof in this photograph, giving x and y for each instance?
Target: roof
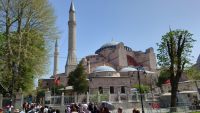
(67, 88)
(72, 7)
(181, 92)
(58, 74)
(104, 69)
(112, 43)
(188, 92)
(128, 69)
(149, 72)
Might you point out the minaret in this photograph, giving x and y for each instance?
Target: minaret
(71, 58)
(55, 69)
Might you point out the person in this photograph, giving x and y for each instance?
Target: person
(10, 109)
(85, 108)
(119, 110)
(68, 109)
(91, 107)
(74, 108)
(16, 111)
(81, 109)
(57, 111)
(104, 110)
(137, 111)
(134, 110)
(22, 111)
(46, 109)
(1, 110)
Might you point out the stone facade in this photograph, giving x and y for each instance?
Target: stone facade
(107, 82)
(117, 55)
(113, 82)
(114, 54)
(187, 94)
(49, 83)
(183, 86)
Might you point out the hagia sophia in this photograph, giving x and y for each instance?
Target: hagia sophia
(112, 68)
(115, 69)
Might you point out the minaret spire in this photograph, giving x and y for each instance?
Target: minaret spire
(55, 69)
(72, 6)
(71, 58)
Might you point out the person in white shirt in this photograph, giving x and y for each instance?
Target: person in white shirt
(46, 109)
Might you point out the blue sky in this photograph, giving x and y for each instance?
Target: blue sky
(139, 24)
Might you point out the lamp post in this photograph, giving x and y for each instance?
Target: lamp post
(138, 73)
(151, 84)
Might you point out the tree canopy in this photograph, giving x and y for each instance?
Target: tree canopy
(164, 75)
(78, 79)
(142, 88)
(27, 27)
(174, 54)
(193, 73)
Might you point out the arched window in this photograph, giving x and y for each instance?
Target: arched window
(100, 90)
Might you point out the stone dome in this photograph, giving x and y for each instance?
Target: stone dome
(104, 69)
(198, 60)
(112, 43)
(128, 69)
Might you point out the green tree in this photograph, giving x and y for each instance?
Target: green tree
(142, 88)
(164, 75)
(77, 79)
(40, 95)
(193, 73)
(174, 54)
(26, 26)
(56, 90)
(96, 95)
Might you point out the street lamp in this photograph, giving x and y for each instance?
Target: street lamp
(140, 68)
(151, 85)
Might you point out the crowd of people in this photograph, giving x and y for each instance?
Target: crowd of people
(87, 108)
(72, 108)
(32, 108)
(94, 108)
(37, 108)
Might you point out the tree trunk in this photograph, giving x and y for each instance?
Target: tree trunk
(173, 97)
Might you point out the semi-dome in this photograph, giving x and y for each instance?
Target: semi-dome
(104, 69)
(128, 69)
(112, 43)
